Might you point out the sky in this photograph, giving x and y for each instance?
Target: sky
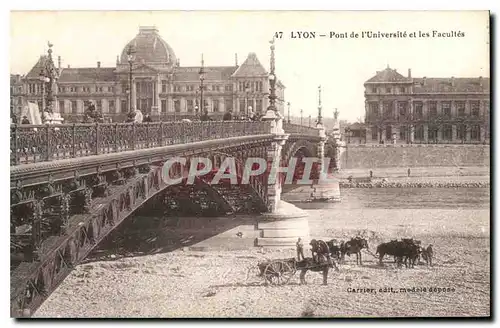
(339, 65)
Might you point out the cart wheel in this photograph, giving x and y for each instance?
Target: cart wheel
(278, 273)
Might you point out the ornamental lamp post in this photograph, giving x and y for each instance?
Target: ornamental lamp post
(272, 111)
(44, 79)
(202, 78)
(319, 107)
(130, 59)
(309, 121)
(288, 103)
(301, 112)
(247, 90)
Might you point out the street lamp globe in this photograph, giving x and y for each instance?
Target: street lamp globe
(272, 77)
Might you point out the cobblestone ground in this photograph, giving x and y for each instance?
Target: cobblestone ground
(214, 283)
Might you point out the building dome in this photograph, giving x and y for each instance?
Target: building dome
(149, 47)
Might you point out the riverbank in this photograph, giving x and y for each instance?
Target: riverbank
(213, 284)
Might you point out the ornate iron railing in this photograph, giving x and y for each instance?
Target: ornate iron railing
(300, 129)
(39, 143)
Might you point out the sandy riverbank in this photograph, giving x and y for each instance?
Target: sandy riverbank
(213, 283)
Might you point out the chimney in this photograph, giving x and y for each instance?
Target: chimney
(424, 80)
(236, 59)
(59, 62)
(69, 66)
(98, 64)
(452, 81)
(409, 73)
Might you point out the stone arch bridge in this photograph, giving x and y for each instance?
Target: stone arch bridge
(71, 185)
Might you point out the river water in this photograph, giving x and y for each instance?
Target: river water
(409, 198)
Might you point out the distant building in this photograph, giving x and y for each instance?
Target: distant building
(426, 110)
(16, 94)
(161, 87)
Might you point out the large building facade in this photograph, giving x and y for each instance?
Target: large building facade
(160, 86)
(426, 110)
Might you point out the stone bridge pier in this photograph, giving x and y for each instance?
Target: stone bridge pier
(284, 223)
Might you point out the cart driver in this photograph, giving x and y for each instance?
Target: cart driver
(300, 250)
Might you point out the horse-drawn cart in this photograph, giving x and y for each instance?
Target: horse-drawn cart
(280, 271)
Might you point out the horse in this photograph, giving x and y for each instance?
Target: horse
(353, 246)
(308, 264)
(334, 248)
(406, 250)
(321, 248)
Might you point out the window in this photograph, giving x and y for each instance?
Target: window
(86, 89)
(242, 106)
(402, 108)
(258, 106)
(124, 106)
(402, 89)
(190, 105)
(60, 89)
(177, 105)
(98, 89)
(163, 106)
(164, 86)
(447, 132)
(229, 87)
(373, 109)
(190, 88)
(475, 132)
(40, 104)
(215, 87)
(419, 132)
(374, 133)
(241, 86)
(388, 132)
(460, 108)
(215, 105)
(205, 105)
(72, 89)
(387, 109)
(61, 106)
(474, 108)
(111, 89)
(403, 131)
(461, 131)
(374, 90)
(387, 90)
(74, 108)
(446, 108)
(98, 105)
(111, 106)
(259, 86)
(418, 110)
(228, 104)
(432, 109)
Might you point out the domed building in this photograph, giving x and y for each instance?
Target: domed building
(160, 86)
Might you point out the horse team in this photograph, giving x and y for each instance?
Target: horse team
(407, 251)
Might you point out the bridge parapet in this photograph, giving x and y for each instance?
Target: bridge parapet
(300, 129)
(40, 143)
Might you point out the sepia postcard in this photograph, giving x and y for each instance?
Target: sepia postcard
(250, 164)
